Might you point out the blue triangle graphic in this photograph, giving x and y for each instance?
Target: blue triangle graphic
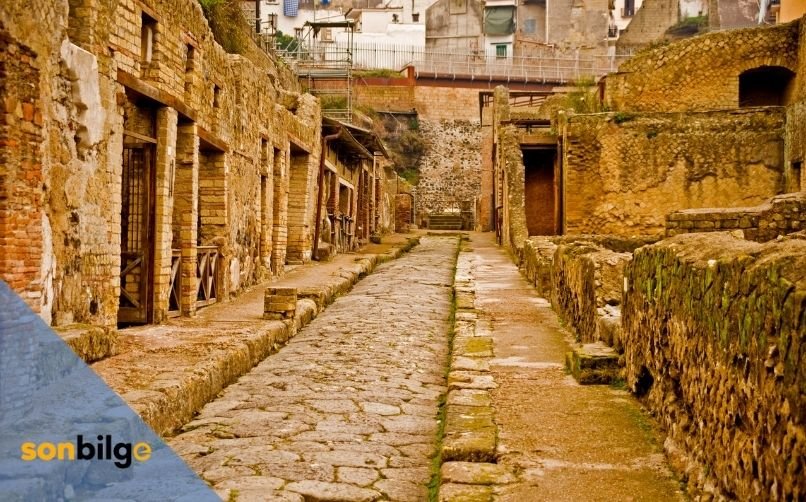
(50, 397)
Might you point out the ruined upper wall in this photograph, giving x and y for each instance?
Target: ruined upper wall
(649, 24)
(625, 172)
(700, 73)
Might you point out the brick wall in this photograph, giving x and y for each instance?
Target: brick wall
(21, 197)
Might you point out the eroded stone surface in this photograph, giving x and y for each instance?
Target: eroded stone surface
(347, 410)
(476, 473)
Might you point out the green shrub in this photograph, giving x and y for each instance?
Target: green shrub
(227, 23)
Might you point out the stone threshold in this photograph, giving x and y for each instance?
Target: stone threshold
(167, 373)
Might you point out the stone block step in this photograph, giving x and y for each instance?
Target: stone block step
(593, 363)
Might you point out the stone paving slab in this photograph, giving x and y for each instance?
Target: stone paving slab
(348, 409)
(167, 372)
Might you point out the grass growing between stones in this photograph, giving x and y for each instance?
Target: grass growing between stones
(442, 414)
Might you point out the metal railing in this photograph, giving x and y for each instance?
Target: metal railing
(552, 66)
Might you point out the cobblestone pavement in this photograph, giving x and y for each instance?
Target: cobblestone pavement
(348, 410)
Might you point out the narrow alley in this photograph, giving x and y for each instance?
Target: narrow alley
(348, 410)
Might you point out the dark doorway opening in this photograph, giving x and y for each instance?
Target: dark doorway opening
(765, 86)
(541, 191)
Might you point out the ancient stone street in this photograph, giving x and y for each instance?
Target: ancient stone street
(348, 410)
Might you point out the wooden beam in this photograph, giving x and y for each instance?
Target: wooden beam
(209, 139)
(148, 91)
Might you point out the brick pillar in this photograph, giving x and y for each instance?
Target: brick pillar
(186, 212)
(279, 210)
(300, 189)
(266, 194)
(163, 209)
(21, 197)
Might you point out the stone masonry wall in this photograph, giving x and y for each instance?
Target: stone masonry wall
(586, 280)
(714, 330)
(699, 73)
(450, 176)
(624, 172)
(782, 215)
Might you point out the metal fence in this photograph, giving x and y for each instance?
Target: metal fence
(552, 66)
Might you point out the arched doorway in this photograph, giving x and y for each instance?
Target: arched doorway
(765, 86)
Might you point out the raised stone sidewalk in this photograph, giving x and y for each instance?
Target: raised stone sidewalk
(167, 372)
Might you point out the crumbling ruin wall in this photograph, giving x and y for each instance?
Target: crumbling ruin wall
(782, 215)
(699, 73)
(649, 23)
(538, 256)
(714, 331)
(449, 175)
(624, 172)
(795, 154)
(586, 284)
(513, 178)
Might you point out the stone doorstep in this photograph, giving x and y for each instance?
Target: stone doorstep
(166, 409)
(455, 492)
(593, 363)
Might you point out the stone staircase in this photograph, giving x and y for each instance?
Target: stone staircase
(445, 221)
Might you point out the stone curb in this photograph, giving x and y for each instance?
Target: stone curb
(470, 437)
(167, 408)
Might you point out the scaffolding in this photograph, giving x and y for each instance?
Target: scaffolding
(326, 70)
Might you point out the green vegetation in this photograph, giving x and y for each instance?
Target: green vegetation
(442, 415)
(377, 73)
(227, 23)
(584, 98)
(621, 117)
(403, 139)
(333, 102)
(286, 42)
(689, 26)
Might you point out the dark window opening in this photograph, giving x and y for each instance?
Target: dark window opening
(797, 173)
(190, 56)
(765, 86)
(216, 96)
(148, 32)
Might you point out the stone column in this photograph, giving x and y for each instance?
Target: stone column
(186, 212)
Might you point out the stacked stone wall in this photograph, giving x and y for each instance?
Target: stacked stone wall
(713, 329)
(782, 215)
(699, 73)
(624, 171)
(450, 177)
(586, 279)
